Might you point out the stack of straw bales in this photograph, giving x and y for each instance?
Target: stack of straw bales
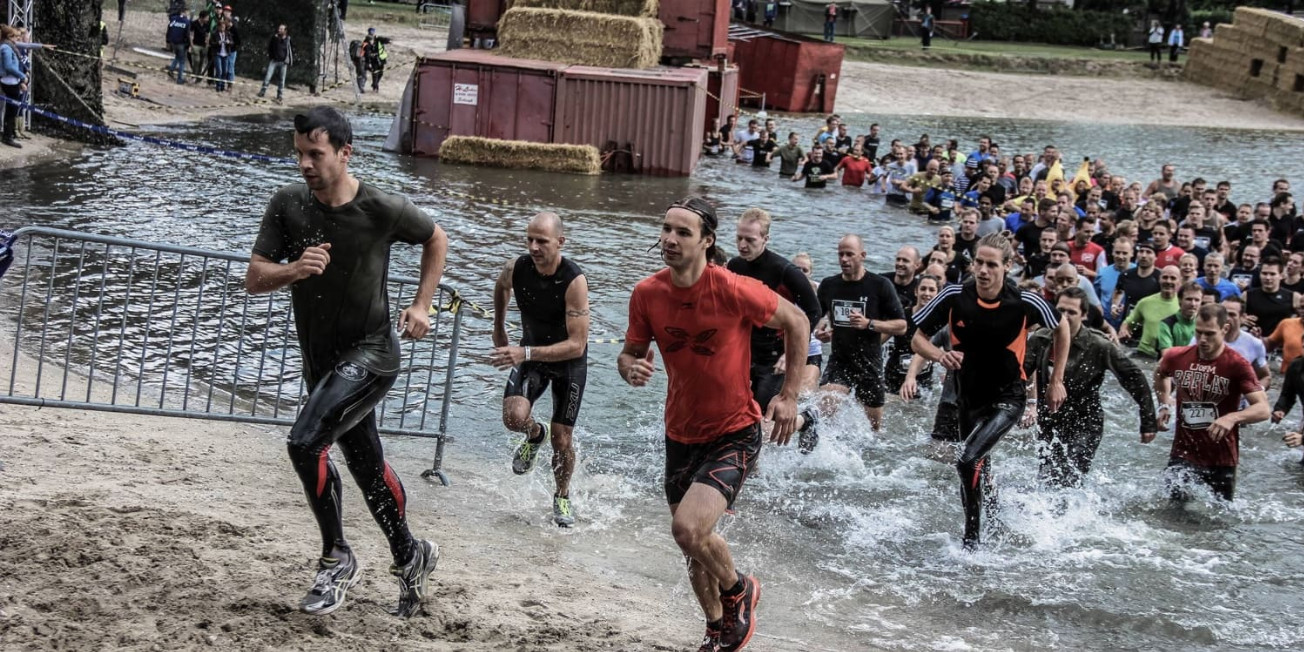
(1259, 56)
(608, 33)
(491, 152)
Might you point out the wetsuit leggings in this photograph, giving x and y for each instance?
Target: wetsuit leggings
(1066, 445)
(341, 410)
(984, 425)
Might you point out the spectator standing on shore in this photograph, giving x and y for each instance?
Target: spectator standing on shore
(279, 57)
(830, 21)
(200, 29)
(233, 26)
(1205, 30)
(1176, 41)
(926, 27)
(1155, 38)
(224, 45)
(178, 39)
(356, 53)
(13, 82)
(771, 12)
(373, 50)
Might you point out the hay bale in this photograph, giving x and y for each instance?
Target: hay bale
(1290, 81)
(517, 154)
(1253, 20)
(1229, 34)
(644, 8)
(581, 37)
(1285, 31)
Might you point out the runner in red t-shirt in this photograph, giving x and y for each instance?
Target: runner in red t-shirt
(1087, 256)
(701, 317)
(854, 167)
(1211, 380)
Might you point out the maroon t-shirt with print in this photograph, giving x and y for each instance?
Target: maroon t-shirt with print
(1206, 390)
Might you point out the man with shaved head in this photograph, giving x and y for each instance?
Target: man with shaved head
(552, 295)
(1150, 313)
(859, 309)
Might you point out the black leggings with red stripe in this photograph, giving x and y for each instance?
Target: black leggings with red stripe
(982, 426)
(341, 410)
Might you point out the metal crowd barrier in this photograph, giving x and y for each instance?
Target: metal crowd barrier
(121, 325)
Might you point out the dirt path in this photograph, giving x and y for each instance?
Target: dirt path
(884, 88)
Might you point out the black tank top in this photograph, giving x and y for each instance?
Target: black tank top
(542, 300)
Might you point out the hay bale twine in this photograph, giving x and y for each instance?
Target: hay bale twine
(581, 37)
(517, 154)
(643, 8)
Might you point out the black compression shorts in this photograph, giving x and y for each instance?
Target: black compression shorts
(567, 379)
(866, 382)
(765, 384)
(816, 361)
(722, 464)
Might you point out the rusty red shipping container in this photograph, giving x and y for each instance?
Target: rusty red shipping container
(652, 119)
(695, 29)
(656, 115)
(721, 93)
(476, 93)
(796, 74)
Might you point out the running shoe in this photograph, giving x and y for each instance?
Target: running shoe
(739, 615)
(523, 459)
(561, 512)
(711, 641)
(334, 579)
(807, 437)
(413, 577)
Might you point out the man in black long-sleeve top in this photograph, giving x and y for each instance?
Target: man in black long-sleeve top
(754, 260)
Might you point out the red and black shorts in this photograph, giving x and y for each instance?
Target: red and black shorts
(722, 464)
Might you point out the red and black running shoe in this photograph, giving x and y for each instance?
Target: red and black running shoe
(711, 641)
(739, 615)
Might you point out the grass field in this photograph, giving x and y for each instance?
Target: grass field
(945, 46)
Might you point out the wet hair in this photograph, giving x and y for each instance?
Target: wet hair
(1280, 200)
(710, 223)
(999, 243)
(758, 215)
(1073, 292)
(1213, 312)
(337, 128)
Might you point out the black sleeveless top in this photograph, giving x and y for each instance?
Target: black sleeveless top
(542, 300)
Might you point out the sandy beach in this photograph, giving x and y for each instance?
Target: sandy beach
(148, 533)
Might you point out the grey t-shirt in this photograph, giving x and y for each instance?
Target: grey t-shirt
(342, 314)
